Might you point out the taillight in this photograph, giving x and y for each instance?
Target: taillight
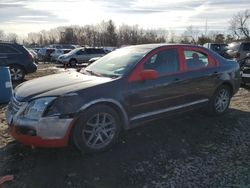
(30, 56)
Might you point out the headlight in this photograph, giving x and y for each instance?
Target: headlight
(35, 108)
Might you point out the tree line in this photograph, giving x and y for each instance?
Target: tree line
(107, 33)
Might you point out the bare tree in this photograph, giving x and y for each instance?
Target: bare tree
(203, 39)
(172, 37)
(239, 25)
(190, 35)
(2, 35)
(103, 34)
(12, 37)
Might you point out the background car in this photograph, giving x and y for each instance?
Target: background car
(220, 48)
(44, 54)
(119, 91)
(245, 69)
(19, 60)
(238, 50)
(80, 55)
(58, 52)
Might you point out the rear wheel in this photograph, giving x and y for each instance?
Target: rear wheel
(97, 129)
(17, 73)
(220, 102)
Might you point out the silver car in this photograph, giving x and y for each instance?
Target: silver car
(80, 55)
(238, 50)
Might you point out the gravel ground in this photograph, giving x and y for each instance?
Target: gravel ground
(191, 150)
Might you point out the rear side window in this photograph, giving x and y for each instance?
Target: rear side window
(195, 60)
(94, 51)
(4, 49)
(164, 62)
(246, 46)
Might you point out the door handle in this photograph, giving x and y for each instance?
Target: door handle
(177, 79)
(215, 73)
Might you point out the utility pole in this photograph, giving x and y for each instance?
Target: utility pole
(206, 28)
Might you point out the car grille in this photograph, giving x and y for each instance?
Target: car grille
(14, 105)
(246, 71)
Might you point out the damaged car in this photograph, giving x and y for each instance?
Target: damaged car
(118, 92)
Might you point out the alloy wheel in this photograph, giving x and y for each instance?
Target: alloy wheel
(99, 130)
(222, 100)
(16, 73)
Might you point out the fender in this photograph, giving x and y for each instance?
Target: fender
(112, 101)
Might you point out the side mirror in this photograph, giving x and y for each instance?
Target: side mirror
(148, 75)
(248, 55)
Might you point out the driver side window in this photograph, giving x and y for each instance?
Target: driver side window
(164, 62)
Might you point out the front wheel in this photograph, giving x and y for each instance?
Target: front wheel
(97, 129)
(72, 63)
(220, 102)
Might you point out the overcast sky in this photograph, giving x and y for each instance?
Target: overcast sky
(24, 16)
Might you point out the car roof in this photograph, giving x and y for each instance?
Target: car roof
(10, 43)
(159, 45)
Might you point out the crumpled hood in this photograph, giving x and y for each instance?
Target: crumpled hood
(57, 84)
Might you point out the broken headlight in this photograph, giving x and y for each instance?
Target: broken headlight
(35, 108)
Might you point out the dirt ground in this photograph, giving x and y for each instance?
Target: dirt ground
(191, 150)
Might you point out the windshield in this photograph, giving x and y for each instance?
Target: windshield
(118, 62)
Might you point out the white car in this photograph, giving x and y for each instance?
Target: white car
(58, 52)
(80, 55)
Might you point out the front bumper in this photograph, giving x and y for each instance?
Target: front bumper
(46, 132)
(37, 141)
(245, 74)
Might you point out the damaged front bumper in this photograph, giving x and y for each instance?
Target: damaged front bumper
(45, 132)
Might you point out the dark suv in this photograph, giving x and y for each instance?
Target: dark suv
(220, 48)
(18, 59)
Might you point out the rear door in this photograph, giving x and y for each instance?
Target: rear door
(95, 53)
(201, 72)
(9, 55)
(81, 56)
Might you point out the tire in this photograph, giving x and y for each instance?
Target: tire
(220, 101)
(97, 129)
(72, 63)
(17, 73)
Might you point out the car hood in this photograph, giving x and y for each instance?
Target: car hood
(57, 84)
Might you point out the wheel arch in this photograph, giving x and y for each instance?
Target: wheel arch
(17, 65)
(113, 104)
(229, 85)
(109, 102)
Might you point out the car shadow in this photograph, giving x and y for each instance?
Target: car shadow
(156, 143)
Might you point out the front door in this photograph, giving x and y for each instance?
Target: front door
(165, 93)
